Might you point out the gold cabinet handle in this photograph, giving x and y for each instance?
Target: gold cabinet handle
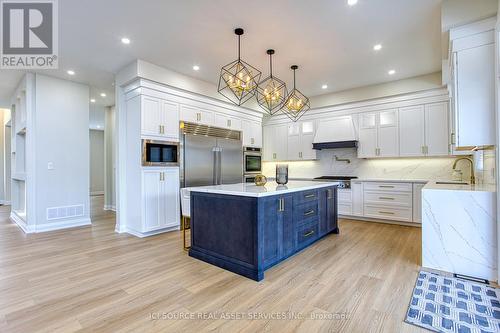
(386, 198)
(310, 212)
(307, 234)
(386, 213)
(307, 196)
(274, 155)
(252, 140)
(229, 123)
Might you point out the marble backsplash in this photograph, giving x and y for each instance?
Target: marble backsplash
(432, 168)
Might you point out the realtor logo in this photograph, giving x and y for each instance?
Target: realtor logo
(29, 34)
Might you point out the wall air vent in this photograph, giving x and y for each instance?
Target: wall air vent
(56, 213)
(197, 129)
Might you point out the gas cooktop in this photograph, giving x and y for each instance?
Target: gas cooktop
(344, 181)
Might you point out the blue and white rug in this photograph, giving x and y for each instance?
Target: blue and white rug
(446, 304)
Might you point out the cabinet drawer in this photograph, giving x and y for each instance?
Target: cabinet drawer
(307, 233)
(397, 187)
(388, 198)
(306, 196)
(344, 195)
(345, 209)
(306, 211)
(389, 213)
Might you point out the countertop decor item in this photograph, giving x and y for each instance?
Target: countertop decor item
(260, 180)
(271, 92)
(296, 103)
(282, 174)
(238, 80)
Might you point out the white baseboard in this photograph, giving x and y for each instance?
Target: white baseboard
(152, 233)
(29, 229)
(369, 219)
(20, 222)
(97, 193)
(63, 225)
(110, 207)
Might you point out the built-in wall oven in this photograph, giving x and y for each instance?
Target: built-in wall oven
(160, 153)
(252, 161)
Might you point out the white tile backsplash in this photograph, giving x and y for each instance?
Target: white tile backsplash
(431, 168)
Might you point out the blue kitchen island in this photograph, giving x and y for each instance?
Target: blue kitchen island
(247, 229)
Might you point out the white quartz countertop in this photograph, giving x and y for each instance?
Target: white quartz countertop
(433, 185)
(252, 190)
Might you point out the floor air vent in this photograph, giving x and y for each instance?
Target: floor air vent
(55, 213)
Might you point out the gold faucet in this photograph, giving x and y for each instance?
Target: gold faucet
(472, 177)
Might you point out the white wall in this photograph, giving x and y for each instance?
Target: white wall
(61, 137)
(96, 162)
(419, 83)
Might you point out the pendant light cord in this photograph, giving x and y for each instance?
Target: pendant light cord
(271, 64)
(239, 47)
(294, 79)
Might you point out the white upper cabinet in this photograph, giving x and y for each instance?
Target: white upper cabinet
(159, 118)
(196, 115)
(275, 143)
(228, 122)
(412, 131)
(436, 129)
(378, 134)
(473, 84)
(423, 130)
(300, 141)
(252, 134)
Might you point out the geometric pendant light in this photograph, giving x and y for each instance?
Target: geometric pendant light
(238, 80)
(296, 103)
(271, 92)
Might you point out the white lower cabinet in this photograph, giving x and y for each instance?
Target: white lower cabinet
(381, 200)
(160, 207)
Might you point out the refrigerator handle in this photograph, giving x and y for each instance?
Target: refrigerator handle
(214, 166)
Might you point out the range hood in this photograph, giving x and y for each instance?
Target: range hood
(334, 133)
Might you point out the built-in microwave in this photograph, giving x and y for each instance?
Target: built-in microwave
(252, 160)
(160, 153)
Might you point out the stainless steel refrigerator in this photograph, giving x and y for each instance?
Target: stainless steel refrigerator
(210, 156)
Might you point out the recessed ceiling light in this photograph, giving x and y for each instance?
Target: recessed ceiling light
(103, 95)
(92, 100)
(70, 72)
(125, 40)
(324, 86)
(196, 68)
(377, 47)
(391, 72)
(352, 2)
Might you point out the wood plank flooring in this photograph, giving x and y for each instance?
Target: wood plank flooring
(92, 279)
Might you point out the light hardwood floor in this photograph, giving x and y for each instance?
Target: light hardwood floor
(91, 279)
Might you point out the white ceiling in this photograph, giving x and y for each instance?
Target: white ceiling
(330, 41)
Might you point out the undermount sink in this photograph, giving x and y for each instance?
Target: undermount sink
(452, 183)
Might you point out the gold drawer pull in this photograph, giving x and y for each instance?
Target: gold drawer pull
(386, 186)
(386, 213)
(309, 212)
(386, 198)
(309, 196)
(307, 234)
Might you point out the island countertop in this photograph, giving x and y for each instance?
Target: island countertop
(252, 190)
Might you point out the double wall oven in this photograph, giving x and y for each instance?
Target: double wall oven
(252, 163)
